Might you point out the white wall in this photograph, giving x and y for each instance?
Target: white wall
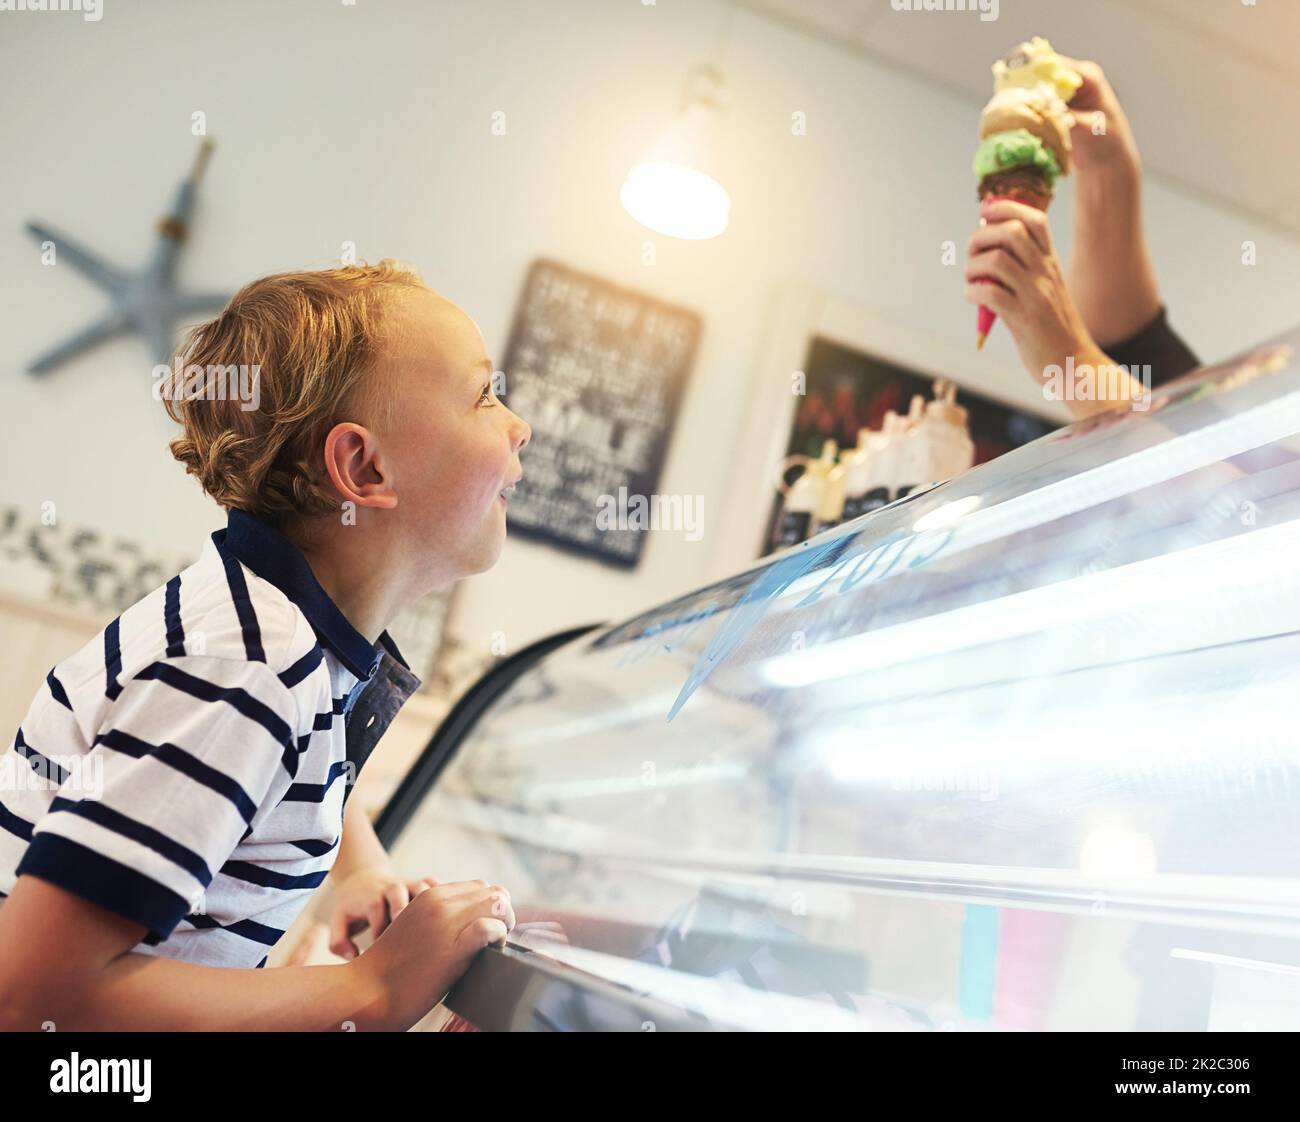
(370, 123)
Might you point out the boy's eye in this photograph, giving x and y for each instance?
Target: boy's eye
(487, 392)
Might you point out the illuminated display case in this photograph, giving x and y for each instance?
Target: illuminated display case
(1021, 751)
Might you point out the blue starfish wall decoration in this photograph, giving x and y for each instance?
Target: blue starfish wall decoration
(145, 301)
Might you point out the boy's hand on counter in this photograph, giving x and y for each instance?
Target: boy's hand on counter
(428, 946)
(369, 899)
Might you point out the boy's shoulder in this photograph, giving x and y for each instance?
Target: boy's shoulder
(216, 608)
(219, 608)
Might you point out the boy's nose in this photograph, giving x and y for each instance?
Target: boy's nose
(523, 432)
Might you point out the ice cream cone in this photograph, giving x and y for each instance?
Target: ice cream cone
(1025, 134)
(1026, 185)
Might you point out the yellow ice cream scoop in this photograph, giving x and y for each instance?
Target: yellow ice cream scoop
(1034, 63)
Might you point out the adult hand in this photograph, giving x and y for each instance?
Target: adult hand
(1102, 139)
(1013, 269)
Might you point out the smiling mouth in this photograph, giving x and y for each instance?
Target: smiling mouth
(505, 493)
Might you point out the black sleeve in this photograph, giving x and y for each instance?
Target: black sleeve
(1156, 345)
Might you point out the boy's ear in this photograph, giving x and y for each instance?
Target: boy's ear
(356, 467)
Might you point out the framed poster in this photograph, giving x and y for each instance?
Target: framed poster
(598, 372)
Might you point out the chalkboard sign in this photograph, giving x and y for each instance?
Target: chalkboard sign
(598, 372)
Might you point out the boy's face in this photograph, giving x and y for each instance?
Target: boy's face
(452, 445)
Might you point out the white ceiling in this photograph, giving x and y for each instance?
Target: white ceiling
(1211, 87)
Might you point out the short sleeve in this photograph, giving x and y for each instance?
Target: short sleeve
(187, 753)
(1156, 345)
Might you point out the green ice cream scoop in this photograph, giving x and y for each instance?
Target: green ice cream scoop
(1013, 149)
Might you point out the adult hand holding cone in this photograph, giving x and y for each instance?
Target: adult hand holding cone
(1022, 185)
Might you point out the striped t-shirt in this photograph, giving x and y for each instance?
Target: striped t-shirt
(187, 768)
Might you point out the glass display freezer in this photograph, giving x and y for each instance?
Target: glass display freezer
(1019, 751)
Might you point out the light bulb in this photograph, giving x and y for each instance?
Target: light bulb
(676, 200)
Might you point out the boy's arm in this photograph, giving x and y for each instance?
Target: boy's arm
(67, 961)
(359, 848)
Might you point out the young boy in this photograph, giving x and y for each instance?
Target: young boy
(189, 766)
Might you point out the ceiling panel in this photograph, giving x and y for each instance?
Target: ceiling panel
(1289, 213)
(1212, 87)
(1268, 31)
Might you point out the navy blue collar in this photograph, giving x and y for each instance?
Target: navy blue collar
(274, 558)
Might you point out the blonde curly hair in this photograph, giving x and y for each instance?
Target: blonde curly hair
(314, 336)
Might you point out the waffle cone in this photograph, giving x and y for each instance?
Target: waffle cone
(1025, 185)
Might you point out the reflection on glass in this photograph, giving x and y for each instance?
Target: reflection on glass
(1022, 752)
